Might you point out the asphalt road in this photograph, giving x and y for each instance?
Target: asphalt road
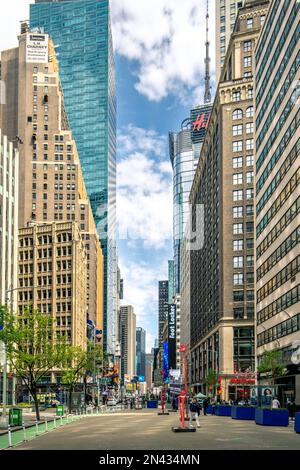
(145, 430)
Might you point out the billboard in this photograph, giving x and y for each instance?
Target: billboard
(166, 361)
(172, 335)
(37, 48)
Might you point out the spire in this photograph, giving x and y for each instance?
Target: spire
(207, 94)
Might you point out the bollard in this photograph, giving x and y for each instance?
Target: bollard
(24, 432)
(9, 437)
(54, 422)
(46, 425)
(61, 420)
(36, 427)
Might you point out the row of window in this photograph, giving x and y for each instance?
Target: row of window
(238, 245)
(238, 145)
(265, 33)
(238, 279)
(290, 271)
(241, 295)
(238, 211)
(238, 195)
(238, 162)
(238, 261)
(238, 178)
(282, 43)
(287, 164)
(238, 229)
(239, 312)
(238, 113)
(285, 247)
(280, 95)
(237, 129)
(291, 186)
(282, 303)
(279, 331)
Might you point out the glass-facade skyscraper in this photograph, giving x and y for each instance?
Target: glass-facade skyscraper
(81, 32)
(185, 148)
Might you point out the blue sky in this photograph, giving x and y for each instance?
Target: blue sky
(160, 48)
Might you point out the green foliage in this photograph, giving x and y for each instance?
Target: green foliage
(272, 365)
(211, 379)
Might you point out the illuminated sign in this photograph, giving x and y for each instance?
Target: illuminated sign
(172, 335)
(201, 122)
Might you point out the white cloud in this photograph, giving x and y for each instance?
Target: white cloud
(166, 38)
(144, 196)
(141, 291)
(12, 12)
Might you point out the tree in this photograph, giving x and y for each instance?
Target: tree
(79, 363)
(211, 380)
(33, 350)
(271, 365)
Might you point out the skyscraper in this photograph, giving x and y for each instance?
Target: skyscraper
(82, 34)
(171, 280)
(9, 189)
(222, 270)
(226, 12)
(128, 341)
(140, 351)
(277, 189)
(51, 186)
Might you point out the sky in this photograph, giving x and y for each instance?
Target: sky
(159, 47)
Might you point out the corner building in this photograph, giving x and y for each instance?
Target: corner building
(51, 186)
(278, 190)
(222, 272)
(81, 31)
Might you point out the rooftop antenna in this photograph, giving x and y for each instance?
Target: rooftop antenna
(207, 94)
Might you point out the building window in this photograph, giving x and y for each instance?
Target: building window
(262, 19)
(237, 146)
(249, 210)
(247, 46)
(238, 313)
(249, 160)
(238, 195)
(238, 261)
(250, 112)
(237, 114)
(249, 193)
(237, 229)
(249, 144)
(249, 23)
(249, 127)
(238, 279)
(238, 296)
(250, 261)
(250, 93)
(247, 61)
(236, 96)
(237, 129)
(249, 177)
(237, 212)
(237, 162)
(237, 178)
(238, 245)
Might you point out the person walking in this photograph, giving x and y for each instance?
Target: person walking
(275, 404)
(205, 405)
(194, 412)
(291, 406)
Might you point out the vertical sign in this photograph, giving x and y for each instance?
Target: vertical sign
(166, 361)
(172, 335)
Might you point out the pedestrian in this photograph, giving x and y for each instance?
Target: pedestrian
(275, 404)
(292, 408)
(205, 405)
(174, 403)
(131, 403)
(194, 412)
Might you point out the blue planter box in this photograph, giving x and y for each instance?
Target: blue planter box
(267, 417)
(297, 423)
(223, 410)
(243, 412)
(209, 409)
(152, 404)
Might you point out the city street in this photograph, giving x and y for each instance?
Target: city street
(140, 430)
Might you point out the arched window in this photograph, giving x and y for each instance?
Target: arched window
(237, 114)
(249, 112)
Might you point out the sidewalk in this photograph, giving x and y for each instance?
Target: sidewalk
(30, 420)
